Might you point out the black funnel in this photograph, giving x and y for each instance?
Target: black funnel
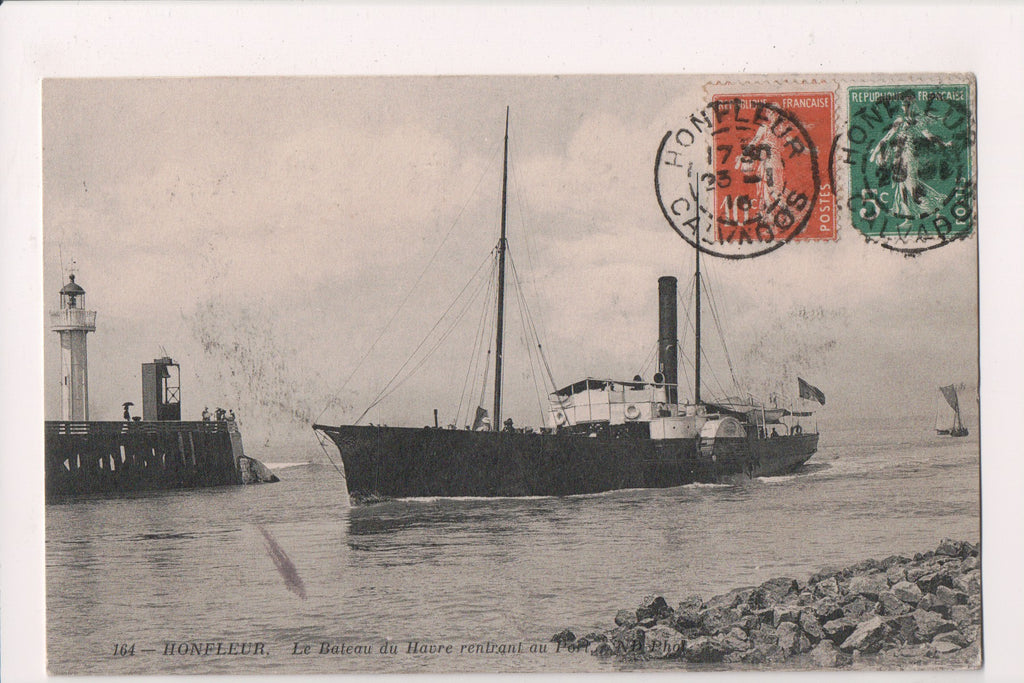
(668, 338)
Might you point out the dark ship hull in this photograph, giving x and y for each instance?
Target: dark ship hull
(402, 462)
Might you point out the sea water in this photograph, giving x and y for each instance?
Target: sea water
(287, 578)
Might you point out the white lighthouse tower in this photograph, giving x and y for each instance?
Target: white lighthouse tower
(72, 322)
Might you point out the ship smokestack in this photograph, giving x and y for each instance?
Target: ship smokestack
(668, 339)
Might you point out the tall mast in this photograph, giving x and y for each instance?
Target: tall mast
(500, 334)
(696, 357)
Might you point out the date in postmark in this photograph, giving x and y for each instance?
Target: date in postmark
(741, 177)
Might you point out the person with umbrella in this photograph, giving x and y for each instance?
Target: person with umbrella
(127, 415)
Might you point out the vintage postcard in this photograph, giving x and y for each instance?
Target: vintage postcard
(519, 373)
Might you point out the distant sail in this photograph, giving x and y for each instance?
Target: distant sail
(949, 393)
(810, 392)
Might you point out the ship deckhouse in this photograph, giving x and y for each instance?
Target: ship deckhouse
(621, 408)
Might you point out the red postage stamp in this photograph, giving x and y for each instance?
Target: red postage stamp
(768, 156)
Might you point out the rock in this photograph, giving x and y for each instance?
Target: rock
(704, 649)
(868, 585)
(628, 641)
(932, 580)
(973, 580)
(892, 605)
(565, 637)
(827, 610)
(838, 630)
(788, 634)
(662, 642)
(688, 613)
(867, 637)
(826, 656)
(944, 647)
(914, 572)
(809, 624)
(805, 598)
(907, 592)
(960, 615)
(953, 637)
(624, 617)
(930, 624)
(954, 548)
(736, 640)
(822, 574)
(653, 608)
(764, 638)
(716, 619)
(893, 561)
(929, 603)
(865, 567)
(581, 645)
(950, 597)
(826, 588)
(760, 599)
(747, 622)
(902, 628)
(780, 588)
(733, 598)
(907, 609)
(858, 607)
(895, 574)
(784, 614)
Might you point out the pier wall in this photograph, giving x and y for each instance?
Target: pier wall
(84, 458)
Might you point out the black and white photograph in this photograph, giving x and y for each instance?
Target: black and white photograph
(551, 370)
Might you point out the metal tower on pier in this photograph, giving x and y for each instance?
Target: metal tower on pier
(72, 322)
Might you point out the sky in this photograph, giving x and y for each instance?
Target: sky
(265, 232)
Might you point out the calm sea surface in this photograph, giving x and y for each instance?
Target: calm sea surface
(163, 569)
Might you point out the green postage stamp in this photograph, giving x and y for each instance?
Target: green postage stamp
(909, 147)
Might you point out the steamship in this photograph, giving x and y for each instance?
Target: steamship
(601, 434)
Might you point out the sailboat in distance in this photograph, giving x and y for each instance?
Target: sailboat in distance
(602, 434)
(950, 422)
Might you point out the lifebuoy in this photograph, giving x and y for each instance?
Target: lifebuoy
(797, 429)
(632, 412)
(560, 418)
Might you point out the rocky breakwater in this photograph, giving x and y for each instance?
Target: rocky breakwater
(896, 613)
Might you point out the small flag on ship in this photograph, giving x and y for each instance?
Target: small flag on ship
(811, 392)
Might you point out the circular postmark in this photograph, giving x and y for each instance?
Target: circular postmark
(908, 155)
(740, 178)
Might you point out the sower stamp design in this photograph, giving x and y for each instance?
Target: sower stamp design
(762, 169)
(910, 164)
(740, 178)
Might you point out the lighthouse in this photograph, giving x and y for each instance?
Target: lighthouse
(72, 322)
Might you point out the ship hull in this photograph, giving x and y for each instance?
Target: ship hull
(402, 462)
